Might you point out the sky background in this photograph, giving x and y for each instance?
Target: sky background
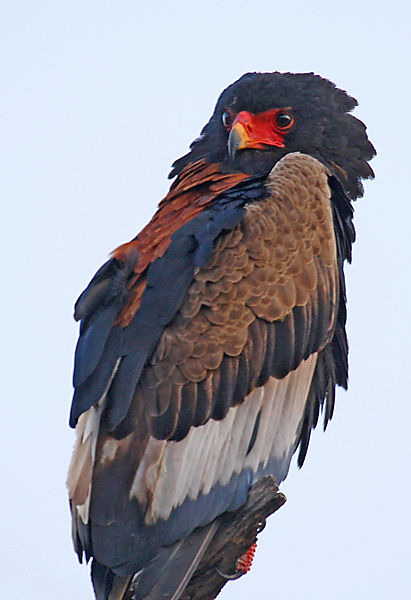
(98, 98)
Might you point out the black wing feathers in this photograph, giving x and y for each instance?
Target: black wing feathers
(101, 344)
(332, 364)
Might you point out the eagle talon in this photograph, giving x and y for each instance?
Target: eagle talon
(261, 526)
(232, 577)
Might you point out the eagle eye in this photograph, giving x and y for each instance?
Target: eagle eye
(227, 119)
(284, 120)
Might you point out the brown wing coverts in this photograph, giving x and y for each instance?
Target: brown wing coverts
(197, 186)
(266, 301)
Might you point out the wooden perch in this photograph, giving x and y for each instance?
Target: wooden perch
(237, 532)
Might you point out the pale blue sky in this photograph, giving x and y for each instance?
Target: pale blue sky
(98, 98)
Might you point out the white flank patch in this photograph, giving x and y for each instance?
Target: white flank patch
(170, 472)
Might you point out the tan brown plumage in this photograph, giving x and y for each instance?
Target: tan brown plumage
(237, 313)
(281, 256)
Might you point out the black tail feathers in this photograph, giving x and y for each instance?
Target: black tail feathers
(165, 576)
(107, 585)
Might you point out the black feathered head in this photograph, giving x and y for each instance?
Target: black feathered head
(263, 116)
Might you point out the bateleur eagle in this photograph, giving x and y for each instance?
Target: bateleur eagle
(211, 341)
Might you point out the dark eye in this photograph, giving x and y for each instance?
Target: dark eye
(227, 119)
(284, 120)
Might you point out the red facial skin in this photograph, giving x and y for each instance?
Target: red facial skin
(259, 130)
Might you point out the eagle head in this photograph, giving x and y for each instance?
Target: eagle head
(261, 117)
